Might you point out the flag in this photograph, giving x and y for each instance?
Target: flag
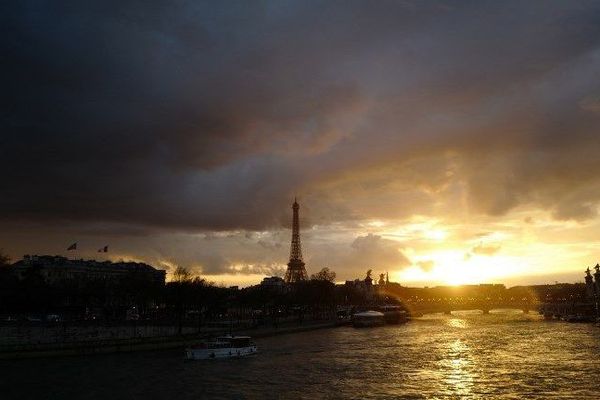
(72, 247)
(103, 249)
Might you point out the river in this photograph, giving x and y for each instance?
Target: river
(503, 355)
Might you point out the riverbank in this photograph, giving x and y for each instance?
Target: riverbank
(83, 348)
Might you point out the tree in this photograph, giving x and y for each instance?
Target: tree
(4, 259)
(324, 275)
(9, 285)
(181, 275)
(179, 290)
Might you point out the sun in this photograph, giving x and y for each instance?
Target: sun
(453, 267)
(435, 234)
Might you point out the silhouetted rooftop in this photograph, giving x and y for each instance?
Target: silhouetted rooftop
(60, 261)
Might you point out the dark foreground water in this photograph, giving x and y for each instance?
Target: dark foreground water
(468, 355)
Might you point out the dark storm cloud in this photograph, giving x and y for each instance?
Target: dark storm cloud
(212, 115)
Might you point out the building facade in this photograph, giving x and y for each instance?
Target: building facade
(57, 270)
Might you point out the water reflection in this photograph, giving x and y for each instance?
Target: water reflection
(457, 323)
(457, 366)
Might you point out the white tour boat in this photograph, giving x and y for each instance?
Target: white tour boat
(223, 347)
(368, 319)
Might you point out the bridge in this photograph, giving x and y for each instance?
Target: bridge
(485, 305)
(562, 310)
(558, 299)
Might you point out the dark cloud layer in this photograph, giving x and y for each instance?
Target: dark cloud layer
(212, 115)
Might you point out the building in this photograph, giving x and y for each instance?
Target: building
(57, 270)
(365, 285)
(273, 282)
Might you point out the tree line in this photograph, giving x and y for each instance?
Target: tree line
(185, 298)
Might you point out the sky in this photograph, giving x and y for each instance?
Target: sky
(442, 142)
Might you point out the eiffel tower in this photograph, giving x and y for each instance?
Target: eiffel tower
(296, 272)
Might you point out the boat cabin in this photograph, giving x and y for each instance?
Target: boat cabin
(235, 341)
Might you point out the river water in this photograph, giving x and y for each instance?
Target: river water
(503, 355)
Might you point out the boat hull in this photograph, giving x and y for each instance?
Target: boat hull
(368, 324)
(209, 354)
(368, 319)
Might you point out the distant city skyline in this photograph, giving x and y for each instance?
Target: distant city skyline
(442, 142)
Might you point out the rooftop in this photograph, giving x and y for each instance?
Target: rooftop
(60, 261)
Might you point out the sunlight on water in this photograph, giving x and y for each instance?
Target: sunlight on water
(457, 323)
(458, 378)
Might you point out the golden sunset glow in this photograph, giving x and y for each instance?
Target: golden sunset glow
(451, 267)
(508, 250)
